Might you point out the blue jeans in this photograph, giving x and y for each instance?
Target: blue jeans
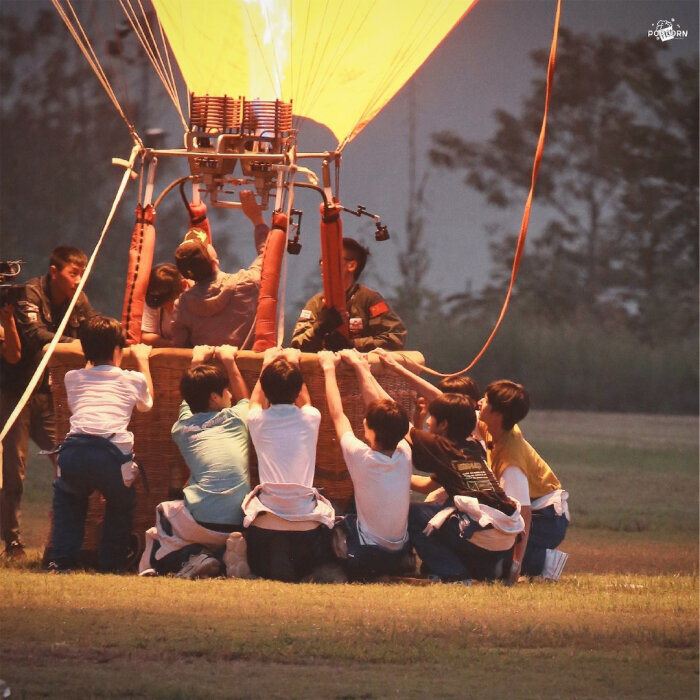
(547, 531)
(447, 552)
(89, 463)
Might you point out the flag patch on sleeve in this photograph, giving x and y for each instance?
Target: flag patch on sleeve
(378, 309)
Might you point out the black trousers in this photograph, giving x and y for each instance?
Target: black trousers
(287, 555)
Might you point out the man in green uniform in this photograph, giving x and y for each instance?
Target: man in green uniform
(371, 321)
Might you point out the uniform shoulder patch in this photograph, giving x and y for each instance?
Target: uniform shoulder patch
(381, 307)
(30, 310)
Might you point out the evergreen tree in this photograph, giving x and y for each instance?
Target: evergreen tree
(617, 190)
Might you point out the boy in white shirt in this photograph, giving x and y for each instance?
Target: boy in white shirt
(97, 454)
(374, 540)
(288, 521)
(469, 530)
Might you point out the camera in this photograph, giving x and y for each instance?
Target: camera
(9, 291)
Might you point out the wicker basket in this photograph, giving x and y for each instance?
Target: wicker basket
(160, 457)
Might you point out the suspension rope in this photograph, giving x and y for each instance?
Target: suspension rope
(64, 321)
(77, 31)
(138, 19)
(528, 204)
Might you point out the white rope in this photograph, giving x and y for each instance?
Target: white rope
(142, 31)
(78, 33)
(64, 321)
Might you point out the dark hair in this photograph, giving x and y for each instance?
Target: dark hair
(461, 385)
(389, 422)
(459, 413)
(509, 399)
(164, 285)
(66, 255)
(357, 252)
(281, 381)
(193, 260)
(99, 336)
(198, 383)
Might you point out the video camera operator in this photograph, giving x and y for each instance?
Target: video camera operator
(10, 345)
(39, 307)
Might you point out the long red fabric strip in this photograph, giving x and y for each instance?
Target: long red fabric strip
(528, 203)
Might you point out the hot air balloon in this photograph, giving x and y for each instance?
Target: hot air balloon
(254, 73)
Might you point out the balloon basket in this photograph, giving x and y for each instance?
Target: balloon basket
(156, 451)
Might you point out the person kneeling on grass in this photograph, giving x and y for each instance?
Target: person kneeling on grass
(288, 522)
(469, 532)
(97, 454)
(212, 435)
(374, 540)
(526, 477)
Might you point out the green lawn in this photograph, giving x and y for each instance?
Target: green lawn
(622, 622)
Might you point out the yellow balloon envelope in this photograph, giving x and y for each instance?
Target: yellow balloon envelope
(339, 61)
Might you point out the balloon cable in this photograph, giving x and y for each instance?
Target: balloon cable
(528, 204)
(81, 39)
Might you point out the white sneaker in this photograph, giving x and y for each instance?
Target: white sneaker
(199, 566)
(554, 562)
(235, 557)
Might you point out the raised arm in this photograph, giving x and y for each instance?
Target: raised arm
(424, 388)
(227, 355)
(252, 210)
(329, 361)
(201, 354)
(293, 356)
(257, 397)
(369, 386)
(140, 353)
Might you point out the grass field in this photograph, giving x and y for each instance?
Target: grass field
(622, 622)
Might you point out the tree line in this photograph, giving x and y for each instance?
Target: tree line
(605, 309)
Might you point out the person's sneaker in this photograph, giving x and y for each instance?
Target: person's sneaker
(554, 562)
(15, 550)
(201, 565)
(54, 568)
(235, 557)
(456, 580)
